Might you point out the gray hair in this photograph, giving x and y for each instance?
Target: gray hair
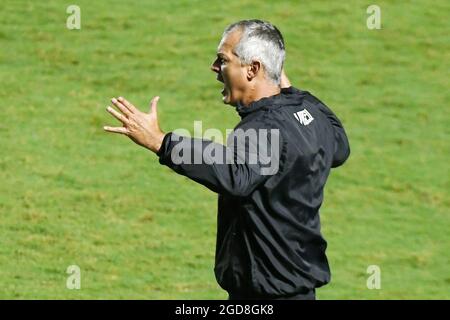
(262, 41)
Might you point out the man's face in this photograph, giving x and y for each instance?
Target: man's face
(230, 71)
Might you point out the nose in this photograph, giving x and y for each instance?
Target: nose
(215, 67)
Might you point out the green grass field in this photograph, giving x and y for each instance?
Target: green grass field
(72, 194)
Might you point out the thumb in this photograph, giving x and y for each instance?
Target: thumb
(153, 105)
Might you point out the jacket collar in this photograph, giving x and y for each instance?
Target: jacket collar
(285, 97)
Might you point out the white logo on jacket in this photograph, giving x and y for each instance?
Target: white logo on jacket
(304, 117)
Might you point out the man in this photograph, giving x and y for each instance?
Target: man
(269, 244)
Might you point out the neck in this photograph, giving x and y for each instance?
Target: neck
(261, 90)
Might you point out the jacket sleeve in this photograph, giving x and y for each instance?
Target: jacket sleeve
(236, 169)
(341, 146)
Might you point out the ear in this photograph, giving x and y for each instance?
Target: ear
(253, 69)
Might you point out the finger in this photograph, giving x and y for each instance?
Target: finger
(121, 107)
(117, 115)
(127, 104)
(120, 130)
(154, 105)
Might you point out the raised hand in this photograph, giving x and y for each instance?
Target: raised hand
(142, 128)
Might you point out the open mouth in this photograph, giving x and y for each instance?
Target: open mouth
(224, 91)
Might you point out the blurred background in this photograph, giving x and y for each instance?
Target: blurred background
(71, 194)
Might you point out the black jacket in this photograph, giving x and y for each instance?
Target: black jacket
(269, 241)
